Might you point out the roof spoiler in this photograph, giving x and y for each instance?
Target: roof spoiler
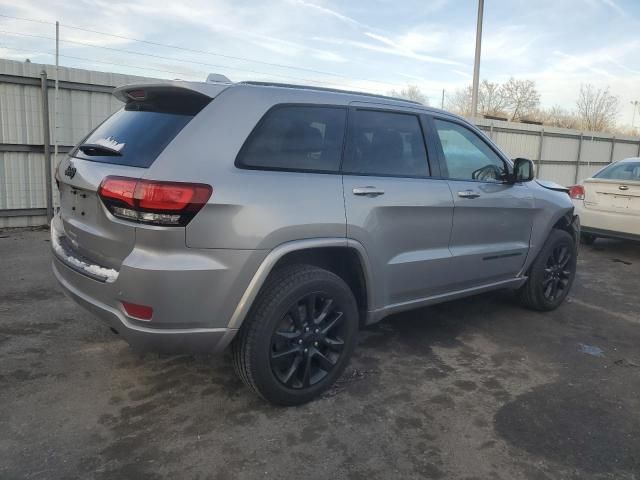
(136, 91)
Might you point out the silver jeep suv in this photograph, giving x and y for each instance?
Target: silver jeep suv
(280, 219)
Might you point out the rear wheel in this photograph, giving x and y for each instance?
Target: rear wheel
(552, 273)
(587, 238)
(299, 336)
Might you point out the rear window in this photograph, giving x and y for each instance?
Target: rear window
(139, 132)
(629, 171)
(306, 138)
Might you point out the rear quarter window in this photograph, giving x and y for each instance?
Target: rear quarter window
(298, 138)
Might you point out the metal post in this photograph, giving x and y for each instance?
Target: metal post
(46, 140)
(578, 159)
(55, 102)
(613, 146)
(476, 63)
(442, 105)
(491, 131)
(540, 153)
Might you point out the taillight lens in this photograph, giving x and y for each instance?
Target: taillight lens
(576, 192)
(141, 312)
(153, 202)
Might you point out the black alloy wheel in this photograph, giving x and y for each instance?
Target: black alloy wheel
(557, 274)
(551, 274)
(299, 335)
(308, 341)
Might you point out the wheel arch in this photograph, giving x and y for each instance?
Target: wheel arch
(338, 255)
(564, 219)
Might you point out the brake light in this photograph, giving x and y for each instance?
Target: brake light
(153, 202)
(137, 94)
(576, 192)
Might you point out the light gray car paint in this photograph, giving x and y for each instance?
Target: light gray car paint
(414, 247)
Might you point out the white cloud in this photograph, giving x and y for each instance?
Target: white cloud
(612, 4)
(386, 46)
(333, 13)
(374, 45)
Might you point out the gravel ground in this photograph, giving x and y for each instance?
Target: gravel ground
(473, 389)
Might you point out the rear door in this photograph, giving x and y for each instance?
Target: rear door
(395, 204)
(126, 144)
(614, 189)
(492, 220)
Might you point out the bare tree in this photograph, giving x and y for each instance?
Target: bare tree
(410, 92)
(521, 98)
(597, 108)
(460, 102)
(557, 116)
(491, 98)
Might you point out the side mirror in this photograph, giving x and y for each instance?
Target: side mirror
(523, 170)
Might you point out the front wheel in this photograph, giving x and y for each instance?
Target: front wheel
(552, 273)
(299, 335)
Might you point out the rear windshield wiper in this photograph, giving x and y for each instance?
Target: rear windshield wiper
(94, 149)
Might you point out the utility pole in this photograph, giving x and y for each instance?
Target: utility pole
(442, 104)
(476, 63)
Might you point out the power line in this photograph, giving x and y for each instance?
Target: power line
(205, 52)
(27, 19)
(91, 60)
(131, 52)
(185, 49)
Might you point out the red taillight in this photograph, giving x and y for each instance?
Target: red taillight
(120, 189)
(153, 202)
(141, 312)
(576, 192)
(171, 196)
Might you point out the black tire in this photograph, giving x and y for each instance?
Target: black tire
(587, 238)
(551, 275)
(282, 351)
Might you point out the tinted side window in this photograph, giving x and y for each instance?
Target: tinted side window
(296, 138)
(385, 143)
(621, 171)
(466, 155)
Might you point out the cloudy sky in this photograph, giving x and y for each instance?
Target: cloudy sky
(373, 45)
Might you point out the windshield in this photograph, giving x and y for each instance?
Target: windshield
(629, 171)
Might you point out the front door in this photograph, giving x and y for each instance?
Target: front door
(492, 219)
(394, 208)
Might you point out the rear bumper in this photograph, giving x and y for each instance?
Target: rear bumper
(612, 224)
(598, 232)
(193, 293)
(190, 340)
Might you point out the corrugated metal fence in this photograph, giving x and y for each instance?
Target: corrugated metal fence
(84, 100)
(562, 155)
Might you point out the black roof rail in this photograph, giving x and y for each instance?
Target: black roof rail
(325, 89)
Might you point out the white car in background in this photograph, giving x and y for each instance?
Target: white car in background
(608, 203)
